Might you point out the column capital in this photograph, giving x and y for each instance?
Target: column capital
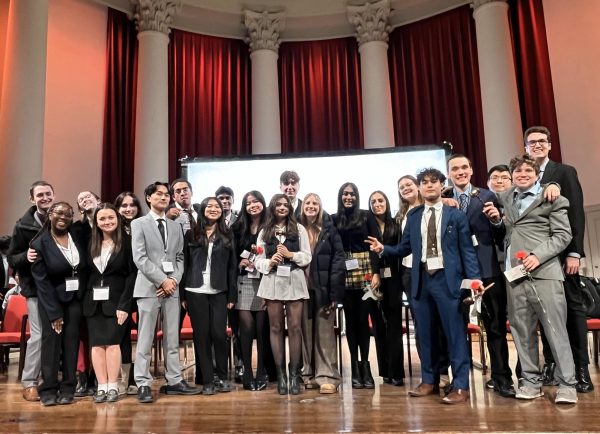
(155, 15)
(263, 29)
(476, 4)
(371, 21)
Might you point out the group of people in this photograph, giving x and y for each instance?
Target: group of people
(284, 267)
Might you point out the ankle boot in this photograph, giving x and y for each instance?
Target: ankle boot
(124, 382)
(357, 382)
(548, 374)
(367, 377)
(584, 382)
(282, 380)
(294, 379)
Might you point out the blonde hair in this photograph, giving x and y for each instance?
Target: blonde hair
(312, 228)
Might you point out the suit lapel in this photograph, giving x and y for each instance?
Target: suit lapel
(444, 225)
(548, 172)
(532, 206)
(416, 232)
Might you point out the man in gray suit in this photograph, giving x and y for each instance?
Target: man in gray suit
(536, 232)
(157, 245)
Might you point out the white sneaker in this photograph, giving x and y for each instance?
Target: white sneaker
(566, 395)
(528, 392)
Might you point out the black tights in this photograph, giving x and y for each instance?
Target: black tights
(293, 311)
(356, 313)
(252, 323)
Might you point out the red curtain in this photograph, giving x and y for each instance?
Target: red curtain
(119, 107)
(320, 101)
(209, 97)
(532, 64)
(434, 78)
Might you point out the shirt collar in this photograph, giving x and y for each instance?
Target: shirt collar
(156, 216)
(437, 206)
(544, 164)
(533, 190)
(467, 191)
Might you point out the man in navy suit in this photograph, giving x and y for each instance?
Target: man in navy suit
(439, 239)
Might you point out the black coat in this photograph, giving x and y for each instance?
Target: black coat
(328, 268)
(25, 229)
(223, 267)
(119, 276)
(50, 270)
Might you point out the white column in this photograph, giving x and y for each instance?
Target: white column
(22, 106)
(263, 39)
(372, 30)
(499, 96)
(151, 162)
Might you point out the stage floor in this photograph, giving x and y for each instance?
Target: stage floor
(384, 409)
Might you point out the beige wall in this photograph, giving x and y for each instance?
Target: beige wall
(574, 45)
(75, 83)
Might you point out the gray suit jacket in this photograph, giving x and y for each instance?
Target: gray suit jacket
(149, 254)
(542, 230)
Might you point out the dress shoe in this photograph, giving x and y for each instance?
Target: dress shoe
(505, 390)
(248, 382)
(491, 384)
(367, 377)
(387, 380)
(398, 382)
(222, 386)
(81, 389)
(584, 382)
(145, 394)
(327, 388)
(239, 373)
(548, 374)
(282, 381)
(261, 384)
(31, 394)
(65, 399)
(425, 389)
(208, 390)
(357, 381)
(48, 400)
(112, 395)
(457, 396)
(99, 396)
(181, 388)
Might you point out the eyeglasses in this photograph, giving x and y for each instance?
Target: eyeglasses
(500, 178)
(63, 214)
(182, 190)
(541, 142)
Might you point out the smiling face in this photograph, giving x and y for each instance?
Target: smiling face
(182, 194)
(128, 208)
(499, 181)
(537, 146)
(378, 204)
(348, 197)
(311, 207)
(408, 190)
(87, 201)
(282, 209)
(107, 221)
(290, 188)
(253, 206)
(61, 218)
(524, 176)
(213, 211)
(159, 200)
(43, 198)
(460, 172)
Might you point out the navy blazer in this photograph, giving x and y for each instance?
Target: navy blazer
(460, 260)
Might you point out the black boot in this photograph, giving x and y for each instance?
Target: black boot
(367, 377)
(584, 382)
(282, 380)
(294, 379)
(81, 388)
(357, 382)
(548, 374)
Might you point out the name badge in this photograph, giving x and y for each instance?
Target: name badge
(474, 240)
(168, 267)
(515, 273)
(435, 263)
(100, 293)
(351, 264)
(253, 273)
(245, 254)
(386, 272)
(284, 270)
(72, 284)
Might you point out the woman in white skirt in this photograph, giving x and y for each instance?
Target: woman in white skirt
(285, 252)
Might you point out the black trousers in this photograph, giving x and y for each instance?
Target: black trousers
(208, 314)
(576, 324)
(494, 315)
(57, 348)
(356, 314)
(392, 312)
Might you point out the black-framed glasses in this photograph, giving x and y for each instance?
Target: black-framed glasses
(541, 142)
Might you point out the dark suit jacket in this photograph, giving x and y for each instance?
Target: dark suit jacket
(566, 177)
(50, 270)
(25, 229)
(119, 276)
(298, 210)
(460, 260)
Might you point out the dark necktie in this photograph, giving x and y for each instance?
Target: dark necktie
(161, 229)
(463, 202)
(431, 235)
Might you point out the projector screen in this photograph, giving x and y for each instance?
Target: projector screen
(321, 173)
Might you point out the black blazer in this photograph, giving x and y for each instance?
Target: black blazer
(223, 267)
(50, 270)
(25, 229)
(328, 267)
(119, 276)
(566, 177)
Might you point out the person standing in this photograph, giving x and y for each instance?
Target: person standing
(20, 256)
(289, 184)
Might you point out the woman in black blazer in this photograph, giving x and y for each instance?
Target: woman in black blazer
(325, 277)
(210, 283)
(60, 275)
(108, 296)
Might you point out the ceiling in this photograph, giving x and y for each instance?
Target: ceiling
(305, 19)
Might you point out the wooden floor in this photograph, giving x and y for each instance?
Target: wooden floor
(385, 409)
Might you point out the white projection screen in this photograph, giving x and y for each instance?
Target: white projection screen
(321, 173)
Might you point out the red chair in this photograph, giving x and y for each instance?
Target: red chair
(593, 325)
(185, 335)
(15, 330)
(474, 329)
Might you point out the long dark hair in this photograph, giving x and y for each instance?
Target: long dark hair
(349, 218)
(291, 230)
(390, 227)
(241, 227)
(97, 236)
(198, 230)
(404, 205)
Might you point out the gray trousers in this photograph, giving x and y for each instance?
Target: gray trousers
(33, 359)
(148, 311)
(318, 346)
(525, 309)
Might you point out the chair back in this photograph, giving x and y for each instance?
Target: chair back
(15, 311)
